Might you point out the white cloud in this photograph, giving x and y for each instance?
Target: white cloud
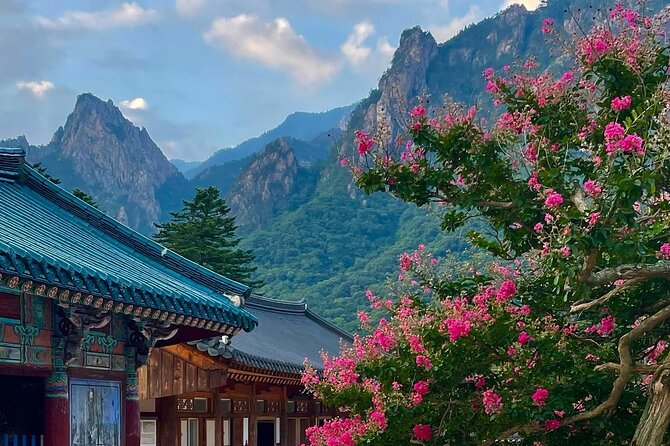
(36, 88)
(446, 32)
(530, 5)
(354, 49)
(385, 48)
(134, 104)
(188, 7)
(274, 44)
(127, 14)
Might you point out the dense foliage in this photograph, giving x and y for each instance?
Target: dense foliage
(204, 232)
(563, 339)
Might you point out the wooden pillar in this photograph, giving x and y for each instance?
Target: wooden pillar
(167, 421)
(132, 401)
(253, 419)
(57, 403)
(284, 418)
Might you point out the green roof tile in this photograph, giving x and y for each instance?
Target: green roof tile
(49, 236)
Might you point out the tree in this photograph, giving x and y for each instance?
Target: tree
(563, 339)
(204, 233)
(86, 198)
(83, 196)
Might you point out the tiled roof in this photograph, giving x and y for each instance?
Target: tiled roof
(287, 333)
(52, 243)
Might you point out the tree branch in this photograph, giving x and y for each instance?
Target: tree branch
(641, 368)
(625, 368)
(606, 276)
(605, 297)
(589, 264)
(496, 204)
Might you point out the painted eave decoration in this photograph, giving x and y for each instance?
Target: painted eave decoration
(53, 244)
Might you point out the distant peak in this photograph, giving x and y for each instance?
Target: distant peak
(415, 36)
(90, 101)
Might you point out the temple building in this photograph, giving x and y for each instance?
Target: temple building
(84, 303)
(109, 339)
(239, 391)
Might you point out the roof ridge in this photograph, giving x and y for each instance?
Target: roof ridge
(127, 236)
(280, 305)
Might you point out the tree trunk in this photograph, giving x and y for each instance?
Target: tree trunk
(656, 417)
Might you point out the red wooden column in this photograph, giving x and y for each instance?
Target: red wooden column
(57, 403)
(132, 401)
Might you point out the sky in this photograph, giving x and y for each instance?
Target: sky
(201, 75)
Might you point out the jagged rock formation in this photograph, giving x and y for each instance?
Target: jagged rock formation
(99, 151)
(266, 181)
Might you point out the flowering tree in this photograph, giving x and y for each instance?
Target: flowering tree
(563, 339)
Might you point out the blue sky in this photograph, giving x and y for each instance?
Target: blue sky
(204, 74)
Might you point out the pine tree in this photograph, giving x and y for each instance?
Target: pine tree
(204, 232)
(86, 198)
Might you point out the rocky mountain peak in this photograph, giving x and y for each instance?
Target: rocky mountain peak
(268, 180)
(101, 152)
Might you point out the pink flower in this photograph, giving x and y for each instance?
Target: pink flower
(632, 143)
(606, 326)
(664, 251)
(424, 362)
(421, 387)
(592, 188)
(492, 402)
(378, 419)
(506, 290)
(552, 424)
(565, 251)
(422, 432)
(363, 317)
(540, 397)
(418, 112)
(524, 338)
(622, 103)
(343, 162)
(614, 131)
(538, 227)
(548, 218)
(593, 218)
(365, 142)
(458, 328)
(547, 26)
(554, 199)
(511, 351)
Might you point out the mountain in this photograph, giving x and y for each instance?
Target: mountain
(337, 243)
(299, 125)
(99, 151)
(185, 166)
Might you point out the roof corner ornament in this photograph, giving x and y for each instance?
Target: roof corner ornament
(216, 346)
(236, 299)
(164, 252)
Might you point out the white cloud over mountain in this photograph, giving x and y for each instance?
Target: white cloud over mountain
(354, 48)
(126, 14)
(134, 104)
(36, 88)
(446, 32)
(274, 44)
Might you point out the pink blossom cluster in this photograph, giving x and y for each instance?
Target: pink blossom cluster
(492, 402)
(592, 188)
(365, 142)
(621, 103)
(604, 328)
(540, 397)
(616, 139)
(664, 251)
